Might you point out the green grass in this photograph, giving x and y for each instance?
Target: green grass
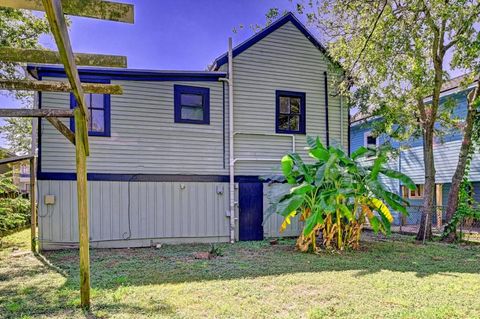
(387, 279)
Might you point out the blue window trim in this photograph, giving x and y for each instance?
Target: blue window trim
(303, 111)
(204, 92)
(106, 103)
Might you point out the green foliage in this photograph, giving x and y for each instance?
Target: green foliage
(335, 195)
(17, 131)
(467, 207)
(19, 29)
(14, 210)
(395, 54)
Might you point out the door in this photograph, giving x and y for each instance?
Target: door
(250, 211)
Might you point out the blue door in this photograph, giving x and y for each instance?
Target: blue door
(251, 211)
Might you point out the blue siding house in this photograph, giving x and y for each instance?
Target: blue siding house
(410, 159)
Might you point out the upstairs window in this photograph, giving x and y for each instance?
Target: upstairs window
(371, 141)
(98, 106)
(290, 112)
(192, 104)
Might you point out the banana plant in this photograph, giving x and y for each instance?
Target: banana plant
(335, 195)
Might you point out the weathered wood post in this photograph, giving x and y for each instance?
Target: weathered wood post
(33, 207)
(82, 201)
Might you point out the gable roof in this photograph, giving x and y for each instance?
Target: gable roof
(289, 17)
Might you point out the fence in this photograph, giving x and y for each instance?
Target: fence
(468, 227)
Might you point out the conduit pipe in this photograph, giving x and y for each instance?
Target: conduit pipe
(231, 154)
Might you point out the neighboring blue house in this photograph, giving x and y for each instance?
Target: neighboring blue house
(410, 160)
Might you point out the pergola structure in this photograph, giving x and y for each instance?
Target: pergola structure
(55, 11)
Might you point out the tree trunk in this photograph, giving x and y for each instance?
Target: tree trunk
(429, 187)
(465, 151)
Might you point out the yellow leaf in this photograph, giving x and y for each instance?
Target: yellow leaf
(286, 221)
(380, 206)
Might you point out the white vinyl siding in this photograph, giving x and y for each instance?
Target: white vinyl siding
(283, 60)
(144, 137)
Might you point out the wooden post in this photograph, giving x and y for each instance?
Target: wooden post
(439, 204)
(33, 206)
(82, 198)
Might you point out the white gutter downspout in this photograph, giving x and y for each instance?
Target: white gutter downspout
(230, 142)
(341, 122)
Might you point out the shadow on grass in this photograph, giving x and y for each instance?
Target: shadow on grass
(48, 283)
(112, 268)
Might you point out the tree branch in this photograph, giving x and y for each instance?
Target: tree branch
(369, 36)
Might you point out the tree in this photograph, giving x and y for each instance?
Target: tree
(17, 131)
(397, 51)
(470, 138)
(19, 29)
(335, 195)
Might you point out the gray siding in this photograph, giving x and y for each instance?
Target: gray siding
(283, 60)
(271, 224)
(144, 137)
(137, 211)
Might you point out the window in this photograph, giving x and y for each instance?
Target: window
(371, 141)
(416, 193)
(192, 104)
(290, 112)
(98, 106)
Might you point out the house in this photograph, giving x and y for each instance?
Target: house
(20, 171)
(159, 169)
(410, 160)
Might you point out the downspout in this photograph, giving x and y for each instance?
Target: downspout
(231, 155)
(349, 131)
(326, 109)
(341, 123)
(230, 140)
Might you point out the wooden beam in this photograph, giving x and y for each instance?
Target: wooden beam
(15, 159)
(58, 26)
(59, 86)
(53, 57)
(36, 112)
(82, 202)
(33, 208)
(97, 9)
(62, 128)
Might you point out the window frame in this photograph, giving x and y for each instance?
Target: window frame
(106, 105)
(419, 192)
(178, 90)
(303, 111)
(368, 134)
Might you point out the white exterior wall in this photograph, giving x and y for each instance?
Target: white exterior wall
(283, 60)
(144, 138)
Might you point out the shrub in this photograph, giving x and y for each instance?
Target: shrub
(335, 196)
(14, 210)
(14, 213)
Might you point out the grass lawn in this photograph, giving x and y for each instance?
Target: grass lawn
(387, 279)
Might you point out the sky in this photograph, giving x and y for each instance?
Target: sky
(167, 34)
